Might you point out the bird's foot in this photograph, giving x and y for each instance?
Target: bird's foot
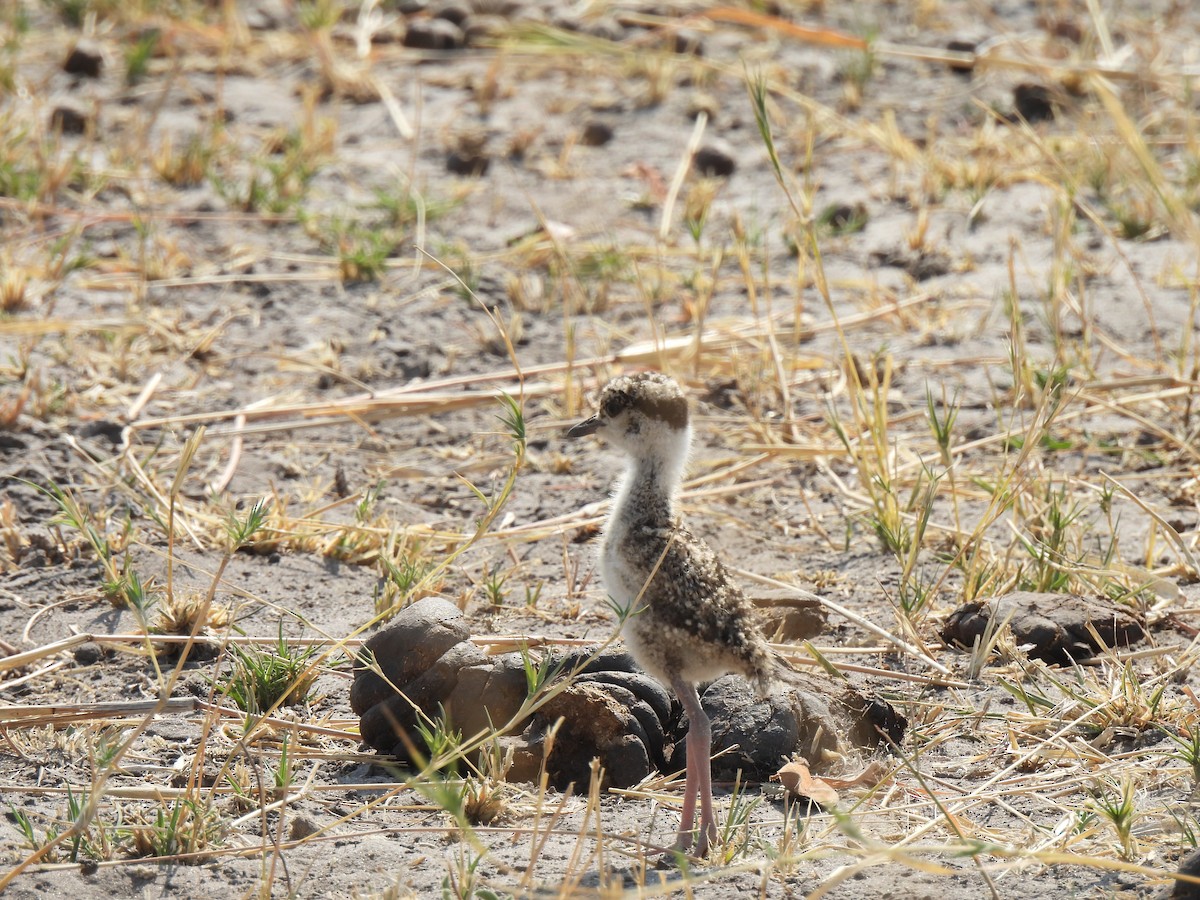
(695, 842)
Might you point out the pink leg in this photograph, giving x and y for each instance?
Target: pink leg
(699, 773)
(687, 819)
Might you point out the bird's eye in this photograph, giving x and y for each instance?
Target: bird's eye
(613, 406)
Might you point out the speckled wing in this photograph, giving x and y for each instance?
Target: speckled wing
(692, 591)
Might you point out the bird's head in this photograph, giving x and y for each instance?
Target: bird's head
(642, 413)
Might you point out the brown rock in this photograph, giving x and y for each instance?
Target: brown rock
(69, 119)
(786, 617)
(434, 34)
(487, 695)
(474, 165)
(416, 638)
(596, 134)
(1033, 102)
(714, 162)
(302, 826)
(594, 726)
(85, 59)
(1056, 625)
(1188, 890)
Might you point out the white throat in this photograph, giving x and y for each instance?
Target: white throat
(644, 499)
(652, 477)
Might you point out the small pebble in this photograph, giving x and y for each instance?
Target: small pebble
(596, 134)
(88, 654)
(69, 120)
(714, 162)
(434, 34)
(452, 11)
(109, 429)
(963, 68)
(85, 59)
(470, 164)
(687, 41)
(302, 826)
(1032, 102)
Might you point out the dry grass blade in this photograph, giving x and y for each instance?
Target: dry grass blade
(825, 37)
(26, 716)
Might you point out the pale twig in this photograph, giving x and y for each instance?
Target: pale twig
(143, 397)
(681, 171)
(1168, 529)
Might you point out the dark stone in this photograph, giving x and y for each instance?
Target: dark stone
(751, 735)
(302, 826)
(1033, 102)
(1056, 625)
(962, 68)
(1187, 890)
(684, 40)
(434, 34)
(882, 720)
(452, 11)
(69, 119)
(713, 162)
(85, 59)
(88, 654)
(642, 687)
(469, 164)
(103, 428)
(1067, 29)
(595, 725)
(596, 134)
(487, 695)
(416, 638)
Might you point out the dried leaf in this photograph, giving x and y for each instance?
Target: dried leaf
(800, 782)
(874, 773)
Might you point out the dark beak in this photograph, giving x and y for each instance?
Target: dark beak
(586, 427)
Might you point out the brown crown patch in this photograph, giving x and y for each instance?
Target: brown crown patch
(650, 393)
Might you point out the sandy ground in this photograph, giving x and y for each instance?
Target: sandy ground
(177, 304)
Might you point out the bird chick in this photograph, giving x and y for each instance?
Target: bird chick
(684, 619)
